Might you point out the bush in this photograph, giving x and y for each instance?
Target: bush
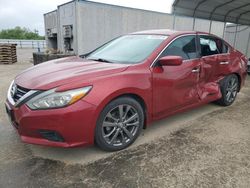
(20, 33)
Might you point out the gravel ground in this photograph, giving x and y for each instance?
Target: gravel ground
(205, 147)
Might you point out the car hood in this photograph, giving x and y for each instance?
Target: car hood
(63, 71)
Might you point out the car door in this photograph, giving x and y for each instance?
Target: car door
(209, 53)
(209, 48)
(175, 87)
(225, 59)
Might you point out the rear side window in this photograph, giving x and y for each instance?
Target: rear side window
(221, 46)
(209, 46)
(184, 46)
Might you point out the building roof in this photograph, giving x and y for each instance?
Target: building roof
(233, 11)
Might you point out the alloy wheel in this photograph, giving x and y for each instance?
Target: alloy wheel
(120, 125)
(231, 90)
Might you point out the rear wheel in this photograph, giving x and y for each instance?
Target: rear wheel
(119, 124)
(229, 90)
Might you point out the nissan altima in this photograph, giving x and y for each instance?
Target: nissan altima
(106, 97)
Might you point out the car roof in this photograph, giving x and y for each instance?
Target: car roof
(168, 32)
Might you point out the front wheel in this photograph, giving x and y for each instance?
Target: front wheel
(119, 124)
(229, 90)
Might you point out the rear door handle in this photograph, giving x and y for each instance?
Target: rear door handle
(224, 63)
(196, 70)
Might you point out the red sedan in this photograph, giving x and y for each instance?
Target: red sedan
(109, 95)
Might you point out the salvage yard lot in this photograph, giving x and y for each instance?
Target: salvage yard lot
(205, 147)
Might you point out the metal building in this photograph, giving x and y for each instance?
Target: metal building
(80, 26)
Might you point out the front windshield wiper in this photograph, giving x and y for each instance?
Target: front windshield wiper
(102, 60)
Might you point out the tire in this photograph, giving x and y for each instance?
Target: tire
(119, 124)
(229, 89)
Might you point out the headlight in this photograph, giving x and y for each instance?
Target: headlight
(52, 99)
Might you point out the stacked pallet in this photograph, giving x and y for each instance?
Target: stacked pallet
(8, 53)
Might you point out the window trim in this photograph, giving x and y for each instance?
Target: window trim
(180, 36)
(228, 47)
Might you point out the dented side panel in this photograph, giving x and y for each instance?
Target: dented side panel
(174, 87)
(208, 87)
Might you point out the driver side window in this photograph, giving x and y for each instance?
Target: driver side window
(184, 46)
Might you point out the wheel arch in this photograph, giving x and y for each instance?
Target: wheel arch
(236, 74)
(132, 94)
(240, 80)
(141, 101)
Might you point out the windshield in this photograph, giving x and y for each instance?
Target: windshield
(129, 49)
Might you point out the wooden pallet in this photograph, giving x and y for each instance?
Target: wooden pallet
(7, 49)
(5, 44)
(7, 62)
(8, 53)
(8, 58)
(14, 60)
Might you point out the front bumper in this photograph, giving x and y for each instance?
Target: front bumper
(73, 125)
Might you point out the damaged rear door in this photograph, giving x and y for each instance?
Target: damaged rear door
(208, 88)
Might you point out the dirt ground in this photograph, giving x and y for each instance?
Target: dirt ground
(205, 147)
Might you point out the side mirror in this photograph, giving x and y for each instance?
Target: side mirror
(170, 61)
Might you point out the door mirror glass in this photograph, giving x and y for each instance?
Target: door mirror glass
(170, 61)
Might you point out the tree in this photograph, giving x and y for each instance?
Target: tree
(20, 33)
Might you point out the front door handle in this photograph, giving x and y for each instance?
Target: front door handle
(196, 70)
(224, 63)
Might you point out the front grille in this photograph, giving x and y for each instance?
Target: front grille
(19, 92)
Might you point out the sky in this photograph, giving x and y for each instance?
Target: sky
(29, 13)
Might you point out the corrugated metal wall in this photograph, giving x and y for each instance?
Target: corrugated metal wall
(96, 23)
(67, 16)
(242, 38)
(50, 22)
